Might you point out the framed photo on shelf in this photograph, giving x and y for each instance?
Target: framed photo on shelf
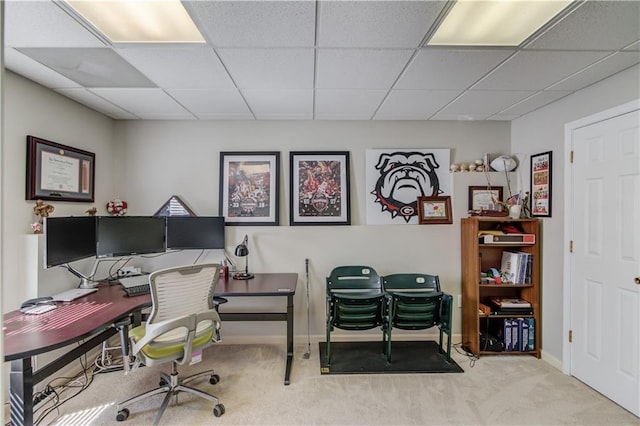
(434, 210)
(541, 165)
(481, 198)
(59, 172)
(249, 183)
(319, 188)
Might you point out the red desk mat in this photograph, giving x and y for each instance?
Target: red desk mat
(55, 319)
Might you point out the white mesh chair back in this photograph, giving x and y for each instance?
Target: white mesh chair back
(182, 290)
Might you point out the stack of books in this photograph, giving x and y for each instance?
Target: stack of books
(510, 306)
(516, 267)
(518, 334)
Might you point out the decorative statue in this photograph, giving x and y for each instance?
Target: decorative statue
(43, 210)
(92, 211)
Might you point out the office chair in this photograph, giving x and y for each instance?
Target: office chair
(416, 302)
(355, 301)
(182, 320)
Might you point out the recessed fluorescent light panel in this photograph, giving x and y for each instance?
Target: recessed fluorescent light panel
(495, 22)
(135, 21)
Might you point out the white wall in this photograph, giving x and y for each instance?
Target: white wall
(158, 159)
(30, 109)
(543, 130)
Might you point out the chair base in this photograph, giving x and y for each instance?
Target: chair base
(172, 385)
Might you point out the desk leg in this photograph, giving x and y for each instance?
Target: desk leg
(287, 373)
(21, 392)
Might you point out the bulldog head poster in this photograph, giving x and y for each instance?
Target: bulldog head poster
(395, 178)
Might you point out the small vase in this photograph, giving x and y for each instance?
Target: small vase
(514, 211)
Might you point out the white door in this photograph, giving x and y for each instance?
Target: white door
(605, 301)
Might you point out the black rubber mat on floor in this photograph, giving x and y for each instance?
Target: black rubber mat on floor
(367, 358)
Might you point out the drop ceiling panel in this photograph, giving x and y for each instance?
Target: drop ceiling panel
(534, 102)
(270, 68)
(601, 25)
(414, 104)
(85, 97)
(90, 67)
(220, 104)
(43, 24)
(484, 102)
(438, 69)
(598, 71)
(255, 23)
(143, 102)
(532, 70)
(335, 104)
(280, 104)
(360, 68)
(375, 23)
(633, 47)
(180, 67)
(33, 70)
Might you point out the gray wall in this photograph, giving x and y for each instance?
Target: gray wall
(543, 130)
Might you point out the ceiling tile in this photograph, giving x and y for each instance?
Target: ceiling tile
(89, 99)
(280, 104)
(595, 25)
(414, 104)
(532, 70)
(336, 104)
(375, 23)
(598, 71)
(361, 69)
(460, 117)
(220, 104)
(33, 70)
(90, 67)
(179, 67)
(438, 69)
(534, 102)
(143, 102)
(633, 46)
(270, 68)
(481, 102)
(255, 23)
(43, 24)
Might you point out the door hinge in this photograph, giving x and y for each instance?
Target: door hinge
(571, 157)
(570, 336)
(571, 246)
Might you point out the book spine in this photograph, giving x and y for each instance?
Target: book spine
(514, 335)
(507, 335)
(524, 345)
(527, 278)
(532, 334)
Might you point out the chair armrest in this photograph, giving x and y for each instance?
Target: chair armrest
(153, 331)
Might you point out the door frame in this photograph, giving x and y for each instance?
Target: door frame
(569, 128)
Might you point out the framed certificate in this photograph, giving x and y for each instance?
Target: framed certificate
(481, 198)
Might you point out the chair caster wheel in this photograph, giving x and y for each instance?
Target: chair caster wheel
(214, 379)
(218, 410)
(122, 415)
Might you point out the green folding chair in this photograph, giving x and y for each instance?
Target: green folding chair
(355, 301)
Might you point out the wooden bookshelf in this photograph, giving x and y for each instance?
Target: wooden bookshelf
(479, 257)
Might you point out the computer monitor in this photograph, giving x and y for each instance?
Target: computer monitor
(129, 235)
(68, 239)
(195, 232)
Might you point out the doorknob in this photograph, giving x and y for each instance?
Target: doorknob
(637, 280)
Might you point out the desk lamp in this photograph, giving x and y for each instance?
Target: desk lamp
(243, 251)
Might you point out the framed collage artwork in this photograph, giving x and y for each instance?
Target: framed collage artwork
(319, 188)
(541, 184)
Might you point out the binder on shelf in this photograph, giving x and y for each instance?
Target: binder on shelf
(508, 239)
(506, 335)
(532, 335)
(514, 335)
(523, 334)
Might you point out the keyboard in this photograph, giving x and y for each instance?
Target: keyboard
(136, 285)
(38, 309)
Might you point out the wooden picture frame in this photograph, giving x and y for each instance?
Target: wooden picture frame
(480, 198)
(59, 172)
(319, 188)
(434, 210)
(541, 166)
(249, 183)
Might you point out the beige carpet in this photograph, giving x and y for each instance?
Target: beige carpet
(507, 390)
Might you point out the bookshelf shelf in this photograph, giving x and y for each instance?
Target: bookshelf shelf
(480, 257)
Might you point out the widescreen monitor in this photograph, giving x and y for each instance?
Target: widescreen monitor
(195, 232)
(68, 239)
(129, 235)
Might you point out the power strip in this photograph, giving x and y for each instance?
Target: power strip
(129, 270)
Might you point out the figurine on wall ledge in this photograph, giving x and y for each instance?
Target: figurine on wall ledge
(92, 211)
(117, 207)
(43, 210)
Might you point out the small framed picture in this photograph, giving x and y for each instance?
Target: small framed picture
(249, 183)
(481, 198)
(58, 172)
(320, 188)
(434, 210)
(541, 184)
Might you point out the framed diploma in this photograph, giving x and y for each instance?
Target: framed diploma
(59, 172)
(483, 198)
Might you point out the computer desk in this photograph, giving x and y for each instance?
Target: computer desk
(103, 314)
